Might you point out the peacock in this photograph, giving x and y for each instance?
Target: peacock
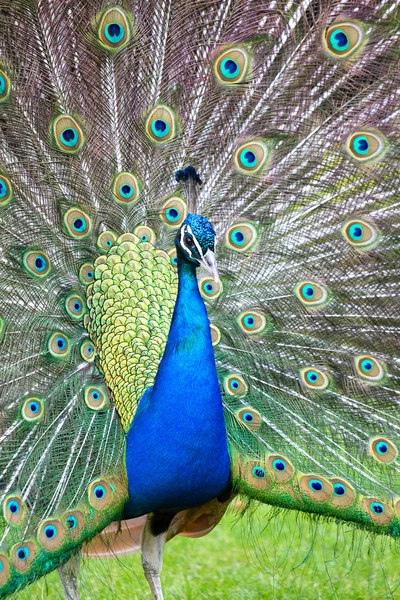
(199, 269)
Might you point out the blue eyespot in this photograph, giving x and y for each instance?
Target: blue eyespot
(90, 275)
(2, 85)
(13, 507)
(366, 365)
(234, 384)
(312, 376)
(210, 289)
(71, 522)
(114, 32)
(356, 231)
(126, 190)
(279, 465)
(90, 349)
(248, 158)
(3, 185)
(95, 397)
(99, 491)
(23, 553)
(160, 124)
(50, 531)
(339, 489)
(249, 321)
(232, 65)
(308, 291)
(174, 261)
(339, 40)
(61, 343)
(172, 214)
(74, 306)
(258, 472)
(248, 417)
(160, 128)
(382, 448)
(32, 409)
(70, 136)
(377, 508)
(40, 263)
(311, 293)
(238, 237)
(360, 145)
(315, 485)
(79, 224)
(229, 68)
(144, 238)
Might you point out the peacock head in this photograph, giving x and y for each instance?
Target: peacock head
(195, 243)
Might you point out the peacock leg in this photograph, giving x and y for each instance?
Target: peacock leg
(153, 540)
(69, 578)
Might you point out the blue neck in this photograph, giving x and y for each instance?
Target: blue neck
(189, 334)
(187, 376)
(178, 431)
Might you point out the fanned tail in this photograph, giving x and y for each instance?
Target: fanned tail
(288, 113)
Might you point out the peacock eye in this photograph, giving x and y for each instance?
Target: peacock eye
(365, 146)
(188, 241)
(96, 397)
(106, 239)
(369, 368)
(174, 212)
(232, 66)
(33, 409)
(145, 234)
(311, 293)
(77, 223)
(5, 189)
(114, 31)
(67, 134)
(359, 233)
(126, 188)
(251, 157)
(312, 378)
(37, 263)
(383, 450)
(100, 494)
(161, 124)
(343, 39)
(4, 86)
(59, 345)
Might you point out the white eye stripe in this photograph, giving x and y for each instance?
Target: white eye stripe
(184, 230)
(187, 229)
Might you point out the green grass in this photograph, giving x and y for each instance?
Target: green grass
(286, 557)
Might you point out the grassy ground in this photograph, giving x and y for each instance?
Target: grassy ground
(227, 564)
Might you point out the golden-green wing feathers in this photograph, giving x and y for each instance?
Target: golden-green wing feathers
(130, 309)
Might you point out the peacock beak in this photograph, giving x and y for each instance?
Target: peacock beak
(209, 262)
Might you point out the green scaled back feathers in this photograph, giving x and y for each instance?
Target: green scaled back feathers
(130, 306)
(289, 115)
